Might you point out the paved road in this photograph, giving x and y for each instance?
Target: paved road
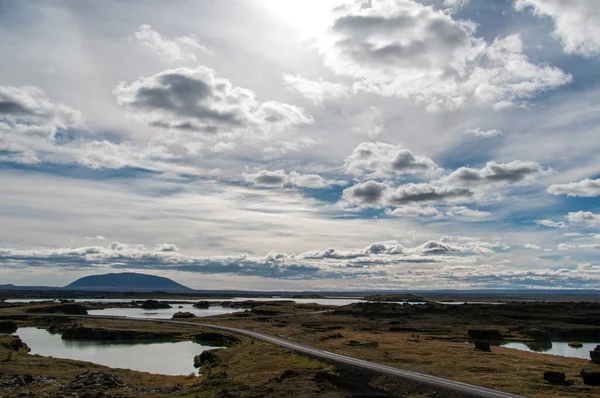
(327, 356)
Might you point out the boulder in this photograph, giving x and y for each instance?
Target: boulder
(590, 378)
(183, 315)
(483, 346)
(595, 354)
(555, 377)
(485, 334)
(7, 326)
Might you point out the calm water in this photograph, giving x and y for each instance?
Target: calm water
(164, 313)
(174, 358)
(554, 348)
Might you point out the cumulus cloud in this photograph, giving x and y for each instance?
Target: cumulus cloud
(279, 178)
(407, 49)
(369, 194)
(552, 224)
(380, 160)
(479, 133)
(585, 188)
(531, 246)
(495, 173)
(378, 195)
(586, 217)
(425, 192)
(316, 91)
(197, 100)
(576, 23)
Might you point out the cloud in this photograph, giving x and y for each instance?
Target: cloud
(585, 188)
(410, 50)
(179, 49)
(552, 224)
(316, 91)
(576, 23)
(197, 100)
(494, 174)
(379, 160)
(279, 178)
(531, 246)
(379, 195)
(26, 112)
(369, 194)
(586, 217)
(425, 192)
(479, 133)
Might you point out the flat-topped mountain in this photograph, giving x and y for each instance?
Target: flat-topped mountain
(127, 282)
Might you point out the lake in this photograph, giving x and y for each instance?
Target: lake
(164, 312)
(168, 358)
(554, 348)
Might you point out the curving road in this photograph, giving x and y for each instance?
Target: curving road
(327, 356)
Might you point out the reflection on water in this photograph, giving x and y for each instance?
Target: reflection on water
(164, 312)
(554, 348)
(170, 358)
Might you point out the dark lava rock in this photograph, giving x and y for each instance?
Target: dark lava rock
(202, 304)
(595, 354)
(206, 356)
(95, 379)
(68, 309)
(8, 326)
(539, 334)
(555, 378)
(483, 346)
(590, 378)
(214, 338)
(183, 315)
(16, 344)
(485, 334)
(154, 305)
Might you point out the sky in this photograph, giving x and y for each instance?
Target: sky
(302, 145)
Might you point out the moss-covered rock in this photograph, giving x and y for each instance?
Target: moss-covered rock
(183, 315)
(68, 309)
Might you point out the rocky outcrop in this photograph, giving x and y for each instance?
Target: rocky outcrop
(7, 326)
(68, 309)
(485, 334)
(183, 315)
(539, 334)
(202, 304)
(595, 354)
(590, 378)
(214, 338)
(94, 379)
(557, 378)
(208, 356)
(16, 344)
(154, 305)
(483, 346)
(85, 333)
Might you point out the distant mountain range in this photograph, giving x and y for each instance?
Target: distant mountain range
(126, 282)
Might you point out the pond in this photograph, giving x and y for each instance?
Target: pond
(561, 348)
(168, 358)
(164, 312)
